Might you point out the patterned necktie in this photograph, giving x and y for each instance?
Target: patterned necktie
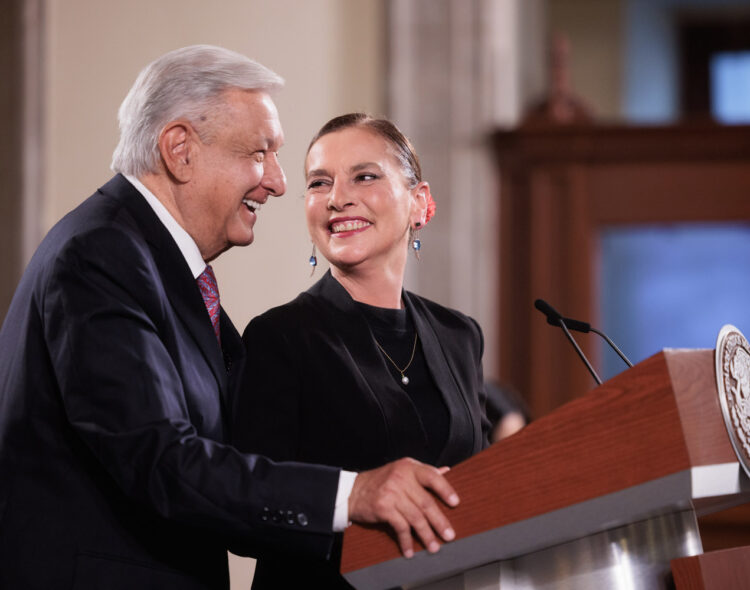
(210, 291)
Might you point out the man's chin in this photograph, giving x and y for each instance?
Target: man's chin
(244, 240)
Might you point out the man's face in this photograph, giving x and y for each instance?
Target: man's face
(235, 170)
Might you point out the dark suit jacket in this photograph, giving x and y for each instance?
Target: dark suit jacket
(113, 399)
(318, 389)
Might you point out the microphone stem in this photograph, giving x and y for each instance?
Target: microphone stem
(613, 345)
(580, 353)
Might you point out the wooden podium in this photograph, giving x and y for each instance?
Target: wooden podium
(602, 492)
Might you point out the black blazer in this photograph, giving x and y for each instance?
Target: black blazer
(113, 396)
(318, 389)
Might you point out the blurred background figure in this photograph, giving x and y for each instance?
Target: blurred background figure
(506, 410)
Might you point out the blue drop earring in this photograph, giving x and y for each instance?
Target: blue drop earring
(416, 243)
(313, 261)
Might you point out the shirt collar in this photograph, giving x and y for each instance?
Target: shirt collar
(184, 242)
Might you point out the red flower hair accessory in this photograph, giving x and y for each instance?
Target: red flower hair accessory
(430, 208)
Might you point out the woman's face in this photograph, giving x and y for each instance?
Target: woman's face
(359, 208)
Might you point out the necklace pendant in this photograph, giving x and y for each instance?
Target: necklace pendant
(404, 379)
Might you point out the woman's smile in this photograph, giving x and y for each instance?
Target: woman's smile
(342, 227)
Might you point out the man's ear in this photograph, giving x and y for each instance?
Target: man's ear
(178, 149)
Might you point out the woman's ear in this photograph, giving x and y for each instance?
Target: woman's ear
(421, 195)
(178, 148)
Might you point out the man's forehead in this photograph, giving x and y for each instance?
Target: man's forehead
(256, 102)
(253, 114)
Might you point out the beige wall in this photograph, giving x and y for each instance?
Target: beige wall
(329, 52)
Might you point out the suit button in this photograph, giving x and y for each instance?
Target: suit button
(302, 519)
(265, 514)
(278, 516)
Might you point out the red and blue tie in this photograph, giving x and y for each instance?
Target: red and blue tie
(210, 291)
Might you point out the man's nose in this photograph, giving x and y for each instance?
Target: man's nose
(274, 178)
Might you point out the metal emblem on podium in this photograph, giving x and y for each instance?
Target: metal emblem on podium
(733, 384)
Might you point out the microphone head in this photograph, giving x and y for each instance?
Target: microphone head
(577, 325)
(553, 316)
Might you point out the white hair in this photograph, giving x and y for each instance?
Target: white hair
(184, 83)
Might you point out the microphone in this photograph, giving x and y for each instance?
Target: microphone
(554, 318)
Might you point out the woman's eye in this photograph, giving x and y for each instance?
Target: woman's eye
(366, 177)
(314, 184)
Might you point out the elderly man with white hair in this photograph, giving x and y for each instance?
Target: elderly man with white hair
(117, 364)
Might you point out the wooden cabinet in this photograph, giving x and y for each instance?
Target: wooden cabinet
(560, 186)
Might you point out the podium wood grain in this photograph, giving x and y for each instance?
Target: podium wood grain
(654, 420)
(728, 569)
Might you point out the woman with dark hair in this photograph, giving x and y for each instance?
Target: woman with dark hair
(356, 372)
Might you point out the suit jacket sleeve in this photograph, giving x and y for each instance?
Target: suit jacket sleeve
(104, 309)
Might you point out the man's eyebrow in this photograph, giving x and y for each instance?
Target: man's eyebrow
(265, 143)
(274, 142)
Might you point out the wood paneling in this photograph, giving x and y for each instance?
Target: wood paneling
(560, 187)
(718, 570)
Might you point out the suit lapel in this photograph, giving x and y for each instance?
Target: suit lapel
(443, 374)
(233, 352)
(179, 284)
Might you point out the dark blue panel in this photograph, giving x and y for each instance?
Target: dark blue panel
(672, 287)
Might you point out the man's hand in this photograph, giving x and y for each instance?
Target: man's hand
(397, 494)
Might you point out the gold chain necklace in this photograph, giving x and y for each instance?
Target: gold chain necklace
(404, 378)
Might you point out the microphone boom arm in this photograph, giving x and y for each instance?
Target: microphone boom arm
(555, 319)
(613, 345)
(580, 352)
